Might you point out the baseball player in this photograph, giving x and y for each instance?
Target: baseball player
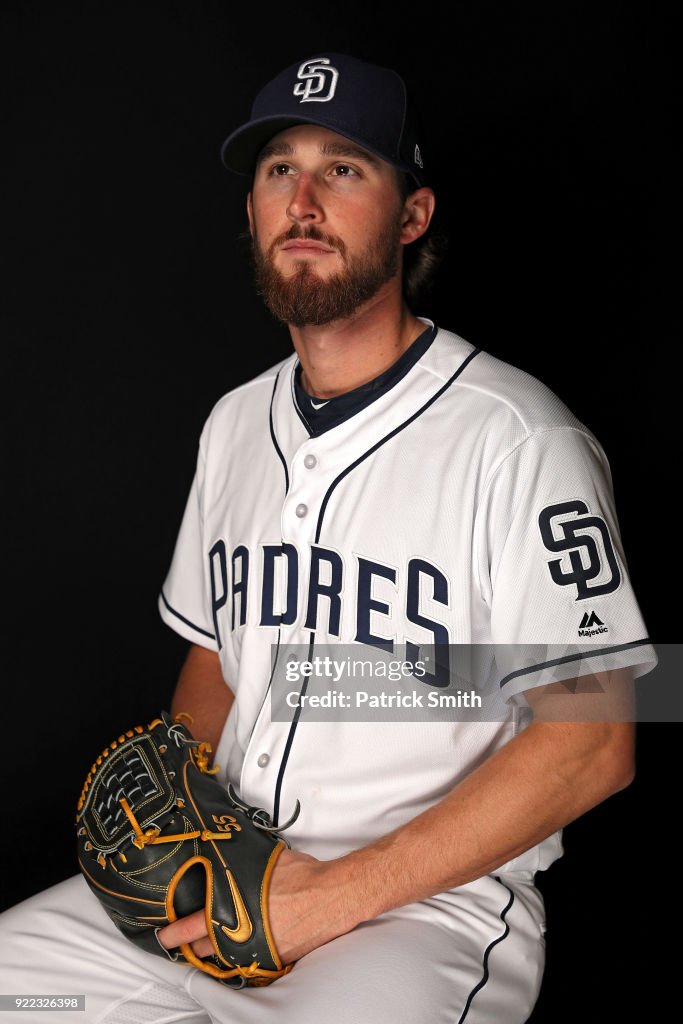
(387, 488)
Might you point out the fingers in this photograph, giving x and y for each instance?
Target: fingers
(190, 929)
(203, 947)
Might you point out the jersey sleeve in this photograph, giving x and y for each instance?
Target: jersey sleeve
(552, 566)
(184, 599)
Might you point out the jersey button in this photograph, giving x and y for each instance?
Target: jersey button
(263, 760)
(301, 510)
(310, 461)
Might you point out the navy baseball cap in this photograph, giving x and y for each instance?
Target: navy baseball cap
(364, 102)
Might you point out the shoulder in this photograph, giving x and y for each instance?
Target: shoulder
(250, 400)
(495, 391)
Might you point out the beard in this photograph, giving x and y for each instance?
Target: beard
(304, 299)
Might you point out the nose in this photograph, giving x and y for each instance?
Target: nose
(304, 206)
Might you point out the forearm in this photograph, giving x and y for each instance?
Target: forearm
(546, 777)
(202, 692)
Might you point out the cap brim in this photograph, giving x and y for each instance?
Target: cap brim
(240, 150)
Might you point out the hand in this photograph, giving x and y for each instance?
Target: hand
(304, 905)
(305, 911)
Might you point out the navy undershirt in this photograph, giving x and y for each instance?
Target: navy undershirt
(320, 415)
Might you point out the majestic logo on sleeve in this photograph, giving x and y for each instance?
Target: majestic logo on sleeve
(591, 624)
(317, 81)
(592, 564)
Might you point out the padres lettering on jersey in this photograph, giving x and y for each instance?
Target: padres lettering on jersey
(323, 591)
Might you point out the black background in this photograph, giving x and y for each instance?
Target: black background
(128, 310)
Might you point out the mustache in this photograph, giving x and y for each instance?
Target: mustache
(304, 234)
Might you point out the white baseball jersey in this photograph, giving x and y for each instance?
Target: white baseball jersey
(463, 505)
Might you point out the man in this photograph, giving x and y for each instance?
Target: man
(392, 487)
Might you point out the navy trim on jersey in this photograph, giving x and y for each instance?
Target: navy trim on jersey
(487, 952)
(389, 436)
(187, 622)
(290, 737)
(297, 410)
(340, 408)
(573, 657)
(272, 433)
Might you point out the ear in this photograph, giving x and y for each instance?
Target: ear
(418, 210)
(250, 214)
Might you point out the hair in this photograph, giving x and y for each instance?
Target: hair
(422, 258)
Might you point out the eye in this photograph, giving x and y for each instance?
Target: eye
(344, 171)
(280, 170)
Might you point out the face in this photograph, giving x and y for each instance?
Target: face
(328, 222)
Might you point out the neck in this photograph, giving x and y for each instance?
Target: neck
(344, 354)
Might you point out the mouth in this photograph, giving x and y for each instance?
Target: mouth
(306, 247)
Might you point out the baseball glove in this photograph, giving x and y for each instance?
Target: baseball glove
(159, 838)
